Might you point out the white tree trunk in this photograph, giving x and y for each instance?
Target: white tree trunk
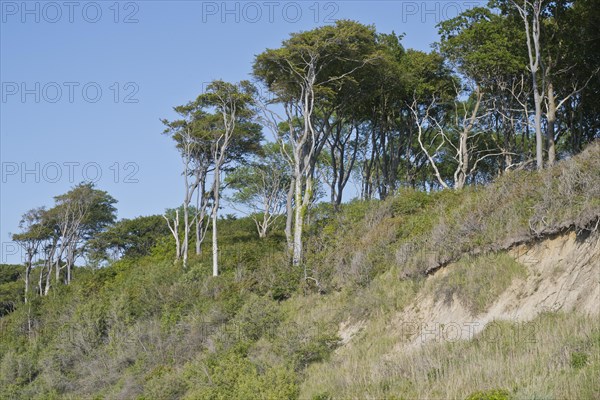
(175, 232)
(298, 223)
(289, 220)
(532, 31)
(215, 245)
(551, 119)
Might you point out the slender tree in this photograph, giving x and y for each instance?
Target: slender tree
(230, 137)
(303, 74)
(33, 233)
(195, 149)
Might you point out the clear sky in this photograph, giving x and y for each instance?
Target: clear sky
(84, 85)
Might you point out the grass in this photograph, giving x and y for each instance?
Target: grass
(526, 361)
(476, 281)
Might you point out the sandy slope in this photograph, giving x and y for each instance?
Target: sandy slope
(563, 274)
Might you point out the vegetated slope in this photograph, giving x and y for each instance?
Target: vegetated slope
(555, 274)
(514, 265)
(521, 323)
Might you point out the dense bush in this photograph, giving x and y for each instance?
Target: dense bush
(11, 288)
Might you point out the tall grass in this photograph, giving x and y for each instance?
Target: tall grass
(555, 356)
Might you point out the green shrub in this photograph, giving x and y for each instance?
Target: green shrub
(410, 201)
(257, 317)
(494, 394)
(578, 359)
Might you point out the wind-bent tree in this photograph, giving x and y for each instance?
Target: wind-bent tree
(303, 75)
(552, 49)
(380, 113)
(33, 233)
(453, 138)
(80, 214)
(62, 234)
(531, 14)
(262, 187)
(195, 150)
(579, 119)
(214, 131)
(231, 135)
(429, 88)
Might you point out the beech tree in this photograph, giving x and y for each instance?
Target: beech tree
(301, 74)
(195, 149)
(33, 233)
(231, 138)
(453, 137)
(552, 60)
(127, 238)
(62, 234)
(79, 214)
(214, 131)
(484, 48)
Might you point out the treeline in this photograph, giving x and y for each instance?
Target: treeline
(80, 227)
(510, 86)
(53, 239)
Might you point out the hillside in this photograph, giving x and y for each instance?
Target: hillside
(489, 292)
(523, 321)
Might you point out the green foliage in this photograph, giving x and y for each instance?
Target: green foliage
(233, 376)
(408, 202)
(96, 207)
(147, 328)
(315, 349)
(11, 287)
(129, 237)
(335, 50)
(257, 317)
(493, 394)
(10, 273)
(579, 359)
(484, 45)
(262, 187)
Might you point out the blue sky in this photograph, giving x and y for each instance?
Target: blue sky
(84, 85)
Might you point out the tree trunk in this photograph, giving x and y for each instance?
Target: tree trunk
(198, 241)
(551, 119)
(186, 218)
(27, 278)
(302, 203)
(263, 227)
(534, 52)
(48, 278)
(215, 246)
(41, 281)
(68, 266)
(290, 215)
(539, 150)
(298, 223)
(175, 232)
(200, 215)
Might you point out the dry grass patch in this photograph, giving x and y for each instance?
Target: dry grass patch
(555, 356)
(477, 281)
